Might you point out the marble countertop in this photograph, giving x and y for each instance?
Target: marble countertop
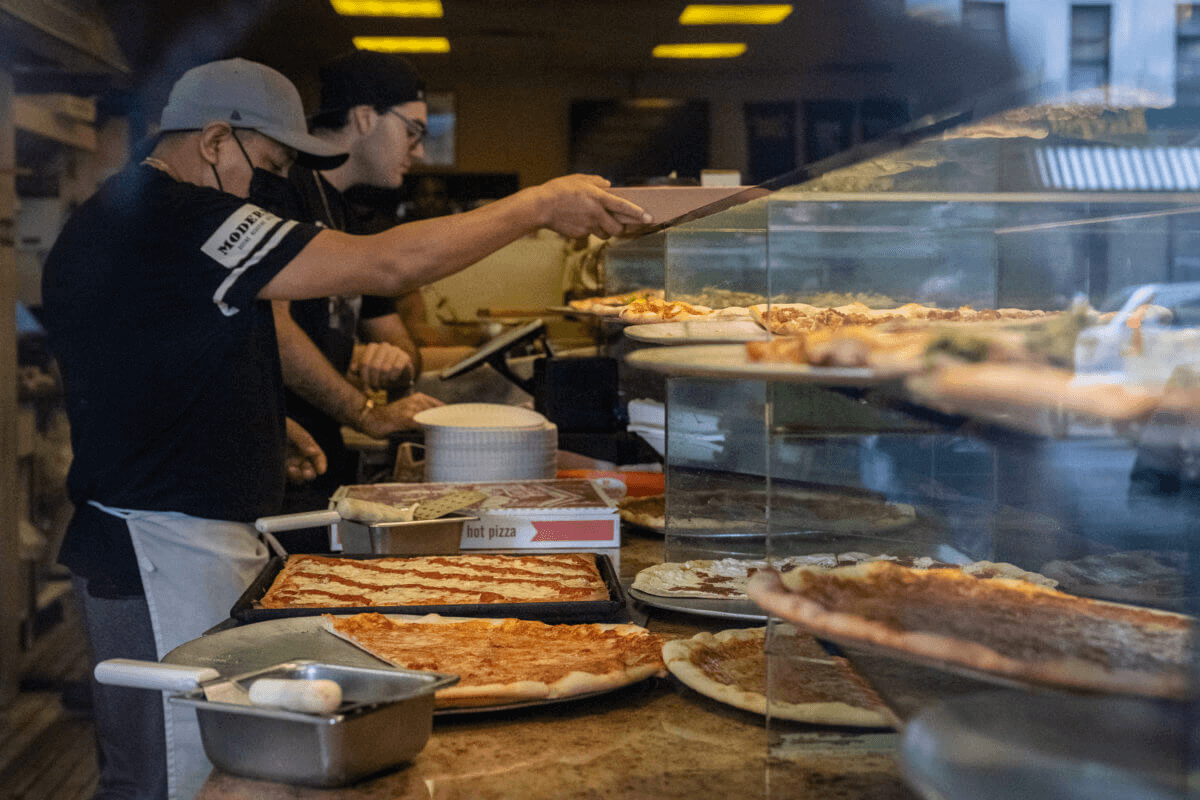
(656, 740)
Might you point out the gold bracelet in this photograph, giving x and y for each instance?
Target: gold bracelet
(368, 404)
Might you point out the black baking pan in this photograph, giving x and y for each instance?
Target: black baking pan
(613, 609)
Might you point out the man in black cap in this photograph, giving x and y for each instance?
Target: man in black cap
(338, 352)
(155, 299)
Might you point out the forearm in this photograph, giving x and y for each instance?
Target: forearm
(308, 373)
(406, 257)
(392, 330)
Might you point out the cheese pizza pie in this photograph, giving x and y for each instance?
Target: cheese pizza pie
(1008, 629)
(310, 581)
(507, 660)
(728, 578)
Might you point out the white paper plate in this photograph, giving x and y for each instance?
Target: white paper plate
(480, 415)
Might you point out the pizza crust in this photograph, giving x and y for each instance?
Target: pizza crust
(744, 679)
(384, 637)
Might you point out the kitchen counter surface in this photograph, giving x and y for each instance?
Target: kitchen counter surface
(655, 740)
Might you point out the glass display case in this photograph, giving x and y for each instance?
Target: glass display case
(1051, 209)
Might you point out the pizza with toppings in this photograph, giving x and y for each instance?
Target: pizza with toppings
(1004, 629)
(807, 684)
(310, 581)
(502, 661)
(654, 309)
(791, 319)
(728, 578)
(611, 305)
(806, 509)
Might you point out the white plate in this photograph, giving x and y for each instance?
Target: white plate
(731, 361)
(479, 415)
(698, 331)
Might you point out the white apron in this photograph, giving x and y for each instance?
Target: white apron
(193, 571)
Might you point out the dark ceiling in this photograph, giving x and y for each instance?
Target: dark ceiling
(540, 43)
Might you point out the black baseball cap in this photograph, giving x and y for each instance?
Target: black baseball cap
(368, 78)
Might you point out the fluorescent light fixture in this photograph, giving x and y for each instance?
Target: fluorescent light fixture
(403, 44)
(388, 8)
(714, 50)
(734, 15)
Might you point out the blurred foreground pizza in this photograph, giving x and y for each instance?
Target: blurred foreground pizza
(1008, 629)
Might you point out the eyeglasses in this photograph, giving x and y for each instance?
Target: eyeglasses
(417, 131)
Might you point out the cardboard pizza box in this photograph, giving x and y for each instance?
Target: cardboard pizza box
(579, 514)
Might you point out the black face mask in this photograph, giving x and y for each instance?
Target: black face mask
(270, 191)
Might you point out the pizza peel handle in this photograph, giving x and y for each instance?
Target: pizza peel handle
(153, 675)
(292, 522)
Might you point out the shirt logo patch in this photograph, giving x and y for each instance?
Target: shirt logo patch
(239, 234)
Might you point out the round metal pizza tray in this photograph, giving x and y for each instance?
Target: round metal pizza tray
(731, 361)
(259, 645)
(703, 606)
(698, 331)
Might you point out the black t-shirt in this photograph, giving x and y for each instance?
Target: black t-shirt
(169, 362)
(330, 322)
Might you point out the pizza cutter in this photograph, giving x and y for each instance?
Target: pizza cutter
(310, 696)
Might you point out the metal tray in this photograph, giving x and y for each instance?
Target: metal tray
(740, 609)
(610, 610)
(384, 721)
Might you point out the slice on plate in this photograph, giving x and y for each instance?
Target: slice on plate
(1007, 629)
(502, 661)
(808, 684)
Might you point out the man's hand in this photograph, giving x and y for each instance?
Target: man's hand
(578, 205)
(305, 459)
(382, 421)
(380, 366)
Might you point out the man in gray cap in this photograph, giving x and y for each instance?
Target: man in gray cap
(338, 351)
(156, 304)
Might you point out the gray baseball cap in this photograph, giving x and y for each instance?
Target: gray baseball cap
(247, 94)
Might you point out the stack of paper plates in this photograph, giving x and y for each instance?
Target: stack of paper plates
(467, 442)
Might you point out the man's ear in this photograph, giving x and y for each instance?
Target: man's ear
(212, 136)
(364, 118)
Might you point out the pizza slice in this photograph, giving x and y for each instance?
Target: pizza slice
(654, 309)
(807, 684)
(1005, 629)
(502, 661)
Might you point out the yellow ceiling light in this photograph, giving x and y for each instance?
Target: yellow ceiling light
(403, 44)
(713, 50)
(388, 8)
(734, 15)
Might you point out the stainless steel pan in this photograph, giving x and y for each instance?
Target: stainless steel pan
(383, 721)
